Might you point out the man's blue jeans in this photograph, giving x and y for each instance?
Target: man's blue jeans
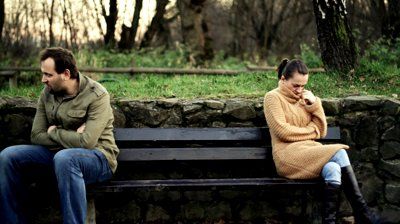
(73, 168)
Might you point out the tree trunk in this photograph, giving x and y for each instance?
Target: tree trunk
(50, 18)
(1, 18)
(111, 20)
(335, 38)
(156, 25)
(128, 34)
(391, 24)
(195, 30)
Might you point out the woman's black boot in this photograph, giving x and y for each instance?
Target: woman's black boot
(330, 203)
(362, 213)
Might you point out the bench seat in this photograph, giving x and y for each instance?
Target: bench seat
(153, 146)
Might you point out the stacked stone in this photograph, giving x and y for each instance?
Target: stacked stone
(370, 125)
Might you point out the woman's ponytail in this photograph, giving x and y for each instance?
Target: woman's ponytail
(281, 67)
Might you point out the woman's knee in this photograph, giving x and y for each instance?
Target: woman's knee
(331, 172)
(341, 158)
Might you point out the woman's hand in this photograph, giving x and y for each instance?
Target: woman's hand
(308, 97)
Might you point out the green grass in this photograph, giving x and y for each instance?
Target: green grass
(249, 85)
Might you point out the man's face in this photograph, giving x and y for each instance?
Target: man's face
(52, 80)
(296, 83)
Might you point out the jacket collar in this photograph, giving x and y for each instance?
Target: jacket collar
(82, 82)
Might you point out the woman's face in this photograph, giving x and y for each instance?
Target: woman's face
(296, 83)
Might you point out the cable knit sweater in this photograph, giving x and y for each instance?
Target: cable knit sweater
(294, 126)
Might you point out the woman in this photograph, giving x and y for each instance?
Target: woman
(296, 118)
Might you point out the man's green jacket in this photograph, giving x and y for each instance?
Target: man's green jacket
(91, 106)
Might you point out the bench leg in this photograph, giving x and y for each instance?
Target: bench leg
(91, 211)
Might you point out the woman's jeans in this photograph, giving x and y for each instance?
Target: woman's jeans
(331, 171)
(73, 168)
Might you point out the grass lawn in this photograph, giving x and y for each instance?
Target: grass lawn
(248, 85)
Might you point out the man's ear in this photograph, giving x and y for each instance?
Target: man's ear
(67, 74)
(283, 77)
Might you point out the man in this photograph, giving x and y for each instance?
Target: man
(72, 136)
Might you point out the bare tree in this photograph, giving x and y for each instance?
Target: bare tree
(128, 34)
(195, 30)
(156, 25)
(1, 18)
(259, 26)
(111, 20)
(49, 12)
(97, 14)
(335, 38)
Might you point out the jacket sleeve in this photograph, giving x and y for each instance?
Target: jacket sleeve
(99, 113)
(318, 117)
(277, 124)
(40, 125)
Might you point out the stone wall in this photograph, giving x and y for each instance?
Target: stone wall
(370, 125)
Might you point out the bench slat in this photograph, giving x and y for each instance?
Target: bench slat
(117, 186)
(217, 153)
(202, 134)
(189, 134)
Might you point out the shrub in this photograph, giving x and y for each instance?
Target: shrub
(310, 57)
(380, 63)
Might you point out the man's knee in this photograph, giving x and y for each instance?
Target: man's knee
(64, 160)
(9, 154)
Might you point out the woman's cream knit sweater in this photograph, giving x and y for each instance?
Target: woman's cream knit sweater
(294, 126)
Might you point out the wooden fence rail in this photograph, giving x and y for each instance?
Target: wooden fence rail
(13, 72)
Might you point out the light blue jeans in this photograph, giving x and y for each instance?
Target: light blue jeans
(73, 168)
(331, 172)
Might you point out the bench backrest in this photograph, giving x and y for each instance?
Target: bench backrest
(152, 144)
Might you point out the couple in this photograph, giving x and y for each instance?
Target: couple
(72, 139)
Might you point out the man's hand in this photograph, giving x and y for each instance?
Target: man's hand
(81, 129)
(51, 128)
(308, 97)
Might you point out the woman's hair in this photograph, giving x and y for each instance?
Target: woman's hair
(288, 68)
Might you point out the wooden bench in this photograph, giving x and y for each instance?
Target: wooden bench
(12, 77)
(198, 144)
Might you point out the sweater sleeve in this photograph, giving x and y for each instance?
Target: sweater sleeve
(278, 125)
(318, 116)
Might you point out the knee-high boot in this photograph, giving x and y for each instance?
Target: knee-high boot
(330, 203)
(362, 213)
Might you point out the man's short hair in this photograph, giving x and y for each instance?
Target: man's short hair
(63, 59)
